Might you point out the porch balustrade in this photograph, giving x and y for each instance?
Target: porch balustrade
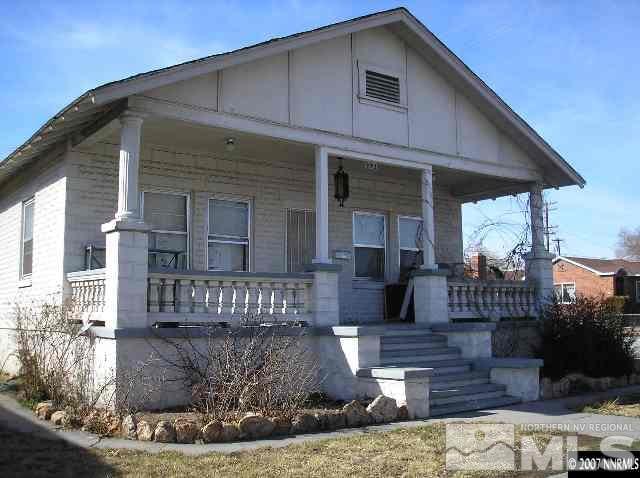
(475, 299)
(88, 292)
(228, 296)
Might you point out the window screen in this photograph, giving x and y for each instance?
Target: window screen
(369, 232)
(301, 239)
(228, 243)
(167, 214)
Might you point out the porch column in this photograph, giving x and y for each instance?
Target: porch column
(538, 265)
(428, 228)
(322, 206)
(126, 237)
(326, 305)
(430, 294)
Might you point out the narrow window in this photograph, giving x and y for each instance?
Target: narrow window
(167, 214)
(410, 239)
(26, 246)
(369, 234)
(301, 239)
(228, 235)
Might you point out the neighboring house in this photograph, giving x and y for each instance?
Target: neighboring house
(597, 277)
(204, 191)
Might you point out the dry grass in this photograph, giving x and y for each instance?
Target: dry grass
(416, 452)
(627, 406)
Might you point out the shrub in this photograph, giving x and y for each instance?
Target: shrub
(587, 336)
(618, 303)
(247, 369)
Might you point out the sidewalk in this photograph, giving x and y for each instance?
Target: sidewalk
(558, 411)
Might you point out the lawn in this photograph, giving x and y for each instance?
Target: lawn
(409, 452)
(627, 406)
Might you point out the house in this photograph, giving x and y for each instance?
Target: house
(597, 277)
(205, 191)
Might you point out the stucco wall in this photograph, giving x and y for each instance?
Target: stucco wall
(587, 283)
(273, 182)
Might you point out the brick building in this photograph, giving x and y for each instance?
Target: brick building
(596, 277)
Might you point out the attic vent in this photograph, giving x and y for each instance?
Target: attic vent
(382, 87)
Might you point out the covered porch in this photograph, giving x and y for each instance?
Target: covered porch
(215, 224)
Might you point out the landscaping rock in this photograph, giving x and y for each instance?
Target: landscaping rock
(355, 414)
(212, 432)
(44, 410)
(281, 426)
(144, 431)
(331, 420)
(187, 431)
(403, 413)
(304, 423)
(230, 432)
(561, 387)
(546, 388)
(165, 432)
(256, 426)
(383, 409)
(59, 418)
(622, 381)
(128, 427)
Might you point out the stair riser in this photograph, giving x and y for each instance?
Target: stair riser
(406, 333)
(460, 383)
(385, 347)
(465, 398)
(436, 411)
(414, 359)
(447, 370)
(412, 339)
(413, 352)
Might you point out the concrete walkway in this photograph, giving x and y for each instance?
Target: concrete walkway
(558, 412)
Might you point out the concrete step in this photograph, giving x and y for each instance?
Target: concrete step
(420, 338)
(413, 359)
(405, 332)
(404, 345)
(481, 392)
(418, 351)
(487, 403)
(477, 377)
(437, 364)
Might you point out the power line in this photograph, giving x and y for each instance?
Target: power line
(557, 240)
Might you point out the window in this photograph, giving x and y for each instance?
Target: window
(638, 291)
(369, 236)
(228, 243)
(301, 238)
(410, 240)
(26, 243)
(167, 214)
(565, 293)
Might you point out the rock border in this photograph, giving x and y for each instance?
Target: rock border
(252, 426)
(574, 381)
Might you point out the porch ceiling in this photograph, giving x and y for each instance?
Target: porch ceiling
(465, 185)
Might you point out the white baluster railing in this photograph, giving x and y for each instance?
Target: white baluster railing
(492, 299)
(88, 293)
(228, 296)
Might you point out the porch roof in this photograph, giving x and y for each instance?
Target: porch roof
(97, 108)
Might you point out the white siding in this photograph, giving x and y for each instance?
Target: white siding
(201, 91)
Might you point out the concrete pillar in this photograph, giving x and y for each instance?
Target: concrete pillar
(126, 238)
(324, 294)
(428, 227)
(322, 206)
(539, 268)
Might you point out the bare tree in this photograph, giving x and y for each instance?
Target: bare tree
(629, 244)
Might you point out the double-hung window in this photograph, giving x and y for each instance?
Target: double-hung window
(410, 241)
(369, 239)
(565, 293)
(26, 242)
(228, 240)
(167, 214)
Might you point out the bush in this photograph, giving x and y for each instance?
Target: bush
(618, 303)
(247, 369)
(587, 336)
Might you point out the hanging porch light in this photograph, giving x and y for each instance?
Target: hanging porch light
(341, 185)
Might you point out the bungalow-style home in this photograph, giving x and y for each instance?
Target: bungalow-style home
(294, 179)
(597, 277)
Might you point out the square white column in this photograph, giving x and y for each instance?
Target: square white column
(322, 206)
(428, 227)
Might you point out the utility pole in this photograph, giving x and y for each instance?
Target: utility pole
(557, 240)
(548, 229)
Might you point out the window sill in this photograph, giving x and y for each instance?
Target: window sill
(26, 282)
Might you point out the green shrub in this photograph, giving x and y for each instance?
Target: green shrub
(587, 336)
(617, 302)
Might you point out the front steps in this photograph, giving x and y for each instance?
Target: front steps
(455, 386)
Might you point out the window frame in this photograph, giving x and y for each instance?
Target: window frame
(562, 285)
(26, 203)
(224, 197)
(362, 86)
(188, 218)
(355, 245)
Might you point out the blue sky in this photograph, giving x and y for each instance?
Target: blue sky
(570, 68)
